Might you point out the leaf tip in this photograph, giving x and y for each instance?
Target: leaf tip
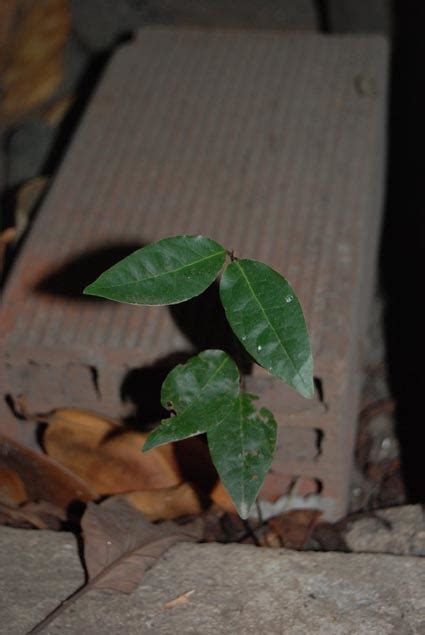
(307, 389)
(149, 444)
(244, 509)
(90, 289)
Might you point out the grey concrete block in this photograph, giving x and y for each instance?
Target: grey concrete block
(236, 589)
(398, 530)
(38, 571)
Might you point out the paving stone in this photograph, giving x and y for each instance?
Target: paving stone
(236, 589)
(399, 530)
(38, 571)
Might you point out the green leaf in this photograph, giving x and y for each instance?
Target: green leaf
(242, 447)
(174, 429)
(266, 316)
(200, 392)
(166, 272)
(205, 394)
(203, 377)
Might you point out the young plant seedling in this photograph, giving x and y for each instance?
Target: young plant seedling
(203, 395)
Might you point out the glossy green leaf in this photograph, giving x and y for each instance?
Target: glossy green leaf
(200, 392)
(242, 447)
(166, 272)
(205, 395)
(174, 429)
(266, 316)
(201, 378)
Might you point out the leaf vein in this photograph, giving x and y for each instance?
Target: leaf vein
(288, 356)
(166, 273)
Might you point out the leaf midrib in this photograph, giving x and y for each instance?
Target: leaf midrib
(164, 273)
(242, 449)
(271, 325)
(202, 389)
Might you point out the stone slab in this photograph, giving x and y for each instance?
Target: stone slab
(39, 570)
(236, 589)
(398, 530)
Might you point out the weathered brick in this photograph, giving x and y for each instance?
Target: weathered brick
(270, 143)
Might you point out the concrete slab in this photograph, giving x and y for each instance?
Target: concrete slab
(235, 589)
(272, 144)
(39, 570)
(398, 530)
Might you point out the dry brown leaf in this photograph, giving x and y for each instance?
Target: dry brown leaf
(221, 497)
(8, 11)
(167, 503)
(31, 50)
(292, 529)
(180, 600)
(52, 516)
(38, 515)
(7, 236)
(12, 488)
(120, 544)
(107, 456)
(14, 516)
(56, 112)
(42, 477)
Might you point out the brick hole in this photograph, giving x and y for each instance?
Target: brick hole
(94, 373)
(318, 384)
(320, 436)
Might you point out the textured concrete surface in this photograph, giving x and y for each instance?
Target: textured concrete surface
(234, 589)
(38, 571)
(400, 531)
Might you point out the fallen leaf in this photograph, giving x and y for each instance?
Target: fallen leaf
(42, 477)
(221, 497)
(38, 515)
(107, 456)
(31, 51)
(54, 114)
(330, 536)
(292, 529)
(120, 544)
(7, 14)
(225, 527)
(11, 486)
(52, 516)
(14, 516)
(181, 599)
(167, 503)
